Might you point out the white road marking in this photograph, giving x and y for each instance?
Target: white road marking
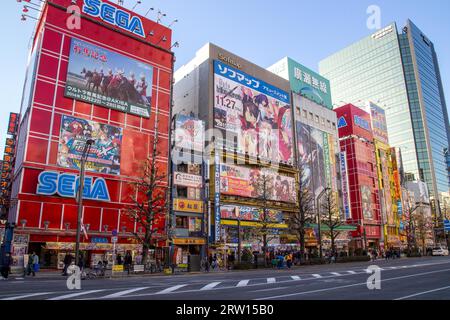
(271, 280)
(422, 293)
(123, 293)
(317, 276)
(335, 273)
(270, 289)
(73, 295)
(242, 283)
(349, 286)
(295, 278)
(211, 285)
(171, 289)
(28, 296)
(351, 272)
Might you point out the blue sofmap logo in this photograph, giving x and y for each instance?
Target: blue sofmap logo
(114, 16)
(360, 122)
(66, 185)
(342, 123)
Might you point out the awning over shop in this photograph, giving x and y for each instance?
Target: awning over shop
(91, 246)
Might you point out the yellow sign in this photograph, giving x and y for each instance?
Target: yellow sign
(118, 268)
(188, 205)
(253, 224)
(189, 241)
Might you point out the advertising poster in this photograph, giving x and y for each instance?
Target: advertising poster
(248, 182)
(366, 201)
(245, 213)
(311, 148)
(256, 113)
(104, 155)
(189, 133)
(99, 76)
(379, 127)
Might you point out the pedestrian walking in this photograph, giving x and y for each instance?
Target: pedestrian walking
(68, 258)
(128, 262)
(119, 259)
(33, 264)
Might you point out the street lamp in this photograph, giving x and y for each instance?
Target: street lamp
(87, 148)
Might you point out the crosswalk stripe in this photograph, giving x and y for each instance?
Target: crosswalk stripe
(335, 273)
(271, 280)
(28, 296)
(171, 289)
(73, 295)
(242, 283)
(123, 293)
(351, 272)
(295, 277)
(210, 285)
(317, 275)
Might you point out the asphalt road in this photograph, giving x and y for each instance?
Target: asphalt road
(401, 279)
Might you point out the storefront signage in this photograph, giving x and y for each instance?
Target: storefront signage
(187, 180)
(99, 240)
(229, 61)
(114, 16)
(217, 197)
(345, 185)
(189, 241)
(185, 205)
(13, 123)
(360, 122)
(66, 185)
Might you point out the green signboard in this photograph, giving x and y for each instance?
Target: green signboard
(309, 84)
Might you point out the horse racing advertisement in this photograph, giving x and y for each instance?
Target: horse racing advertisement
(255, 113)
(99, 76)
(104, 154)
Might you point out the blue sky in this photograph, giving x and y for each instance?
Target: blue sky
(261, 31)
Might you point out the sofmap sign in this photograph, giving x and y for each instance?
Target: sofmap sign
(114, 16)
(66, 185)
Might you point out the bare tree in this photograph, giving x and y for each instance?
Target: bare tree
(423, 224)
(264, 231)
(329, 217)
(149, 201)
(304, 214)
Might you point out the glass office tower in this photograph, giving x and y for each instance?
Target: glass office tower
(398, 70)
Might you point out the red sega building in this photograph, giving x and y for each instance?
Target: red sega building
(109, 79)
(356, 141)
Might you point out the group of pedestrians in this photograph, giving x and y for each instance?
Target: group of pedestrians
(127, 261)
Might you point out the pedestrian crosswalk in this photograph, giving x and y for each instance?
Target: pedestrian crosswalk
(197, 286)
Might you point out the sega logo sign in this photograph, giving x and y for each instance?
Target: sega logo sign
(360, 122)
(67, 184)
(114, 16)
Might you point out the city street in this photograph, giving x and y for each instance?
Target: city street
(402, 279)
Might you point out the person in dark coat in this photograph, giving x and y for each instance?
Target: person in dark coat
(67, 262)
(6, 263)
(128, 261)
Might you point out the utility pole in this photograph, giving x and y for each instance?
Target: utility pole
(87, 148)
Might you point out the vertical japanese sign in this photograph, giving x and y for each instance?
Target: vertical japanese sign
(7, 165)
(217, 197)
(345, 185)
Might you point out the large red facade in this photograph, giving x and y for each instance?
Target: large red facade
(356, 140)
(53, 218)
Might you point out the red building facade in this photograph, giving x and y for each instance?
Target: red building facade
(61, 91)
(356, 141)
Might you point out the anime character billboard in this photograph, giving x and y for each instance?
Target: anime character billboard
(366, 202)
(99, 76)
(104, 154)
(312, 157)
(255, 113)
(247, 182)
(189, 133)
